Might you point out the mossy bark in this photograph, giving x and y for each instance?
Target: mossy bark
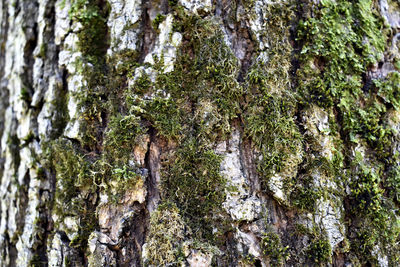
(199, 133)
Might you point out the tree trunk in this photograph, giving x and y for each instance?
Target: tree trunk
(199, 133)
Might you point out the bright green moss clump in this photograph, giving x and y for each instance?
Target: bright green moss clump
(340, 43)
(335, 53)
(92, 14)
(272, 248)
(319, 251)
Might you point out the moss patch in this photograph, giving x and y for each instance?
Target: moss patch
(193, 181)
(272, 248)
(166, 235)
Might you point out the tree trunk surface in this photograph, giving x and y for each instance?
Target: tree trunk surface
(199, 133)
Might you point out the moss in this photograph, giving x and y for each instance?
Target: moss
(392, 184)
(157, 21)
(376, 222)
(273, 73)
(389, 89)
(194, 183)
(366, 190)
(142, 84)
(43, 50)
(305, 197)
(272, 248)
(271, 104)
(74, 187)
(122, 133)
(25, 95)
(205, 71)
(163, 112)
(341, 41)
(334, 56)
(270, 124)
(92, 14)
(36, 261)
(320, 251)
(93, 43)
(122, 63)
(72, 174)
(306, 191)
(166, 235)
(335, 53)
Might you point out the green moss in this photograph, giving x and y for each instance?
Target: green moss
(305, 192)
(334, 53)
(340, 42)
(366, 190)
(393, 180)
(194, 183)
(73, 176)
(272, 72)
(92, 14)
(36, 261)
(272, 248)
(304, 197)
(389, 89)
(43, 50)
(319, 251)
(25, 95)
(93, 44)
(166, 235)
(122, 133)
(205, 71)
(74, 187)
(376, 222)
(270, 124)
(172, 3)
(271, 104)
(142, 85)
(121, 64)
(157, 21)
(164, 113)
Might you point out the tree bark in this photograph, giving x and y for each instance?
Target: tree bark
(199, 133)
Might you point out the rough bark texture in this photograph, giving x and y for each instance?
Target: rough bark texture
(199, 133)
